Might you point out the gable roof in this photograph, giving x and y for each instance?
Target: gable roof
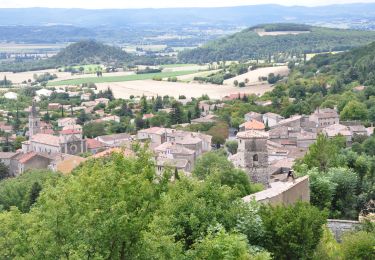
(253, 125)
(47, 139)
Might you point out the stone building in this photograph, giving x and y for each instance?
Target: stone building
(34, 120)
(69, 141)
(252, 155)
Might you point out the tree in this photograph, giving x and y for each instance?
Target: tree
(144, 105)
(328, 248)
(93, 130)
(232, 146)
(100, 219)
(220, 244)
(16, 191)
(219, 133)
(82, 117)
(33, 194)
(324, 153)
(235, 83)
(241, 84)
(176, 115)
(354, 110)
(4, 171)
(292, 232)
(215, 166)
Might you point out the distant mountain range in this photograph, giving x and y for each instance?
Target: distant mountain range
(188, 26)
(244, 15)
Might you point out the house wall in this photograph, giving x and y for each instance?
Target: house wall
(299, 192)
(37, 162)
(43, 148)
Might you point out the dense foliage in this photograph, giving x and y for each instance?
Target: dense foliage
(119, 208)
(341, 180)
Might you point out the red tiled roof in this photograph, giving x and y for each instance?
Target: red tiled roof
(254, 125)
(94, 144)
(26, 157)
(47, 131)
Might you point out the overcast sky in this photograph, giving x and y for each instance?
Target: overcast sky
(97, 4)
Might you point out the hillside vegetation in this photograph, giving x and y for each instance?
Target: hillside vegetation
(249, 45)
(80, 53)
(356, 65)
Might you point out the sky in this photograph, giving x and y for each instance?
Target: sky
(99, 4)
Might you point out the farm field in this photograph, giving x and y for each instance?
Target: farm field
(27, 48)
(191, 77)
(132, 77)
(90, 68)
(161, 88)
(253, 76)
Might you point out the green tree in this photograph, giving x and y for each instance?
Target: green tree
(215, 166)
(176, 115)
(4, 171)
(292, 232)
(232, 146)
(221, 245)
(323, 153)
(93, 130)
(354, 110)
(328, 248)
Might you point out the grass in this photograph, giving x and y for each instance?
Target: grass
(89, 68)
(120, 78)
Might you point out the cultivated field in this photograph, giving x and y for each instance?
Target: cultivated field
(106, 78)
(161, 88)
(253, 76)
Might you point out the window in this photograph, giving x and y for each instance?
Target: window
(255, 158)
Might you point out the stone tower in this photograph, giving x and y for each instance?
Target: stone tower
(253, 155)
(34, 120)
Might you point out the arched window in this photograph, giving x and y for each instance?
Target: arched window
(255, 158)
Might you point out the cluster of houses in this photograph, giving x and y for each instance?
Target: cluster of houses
(269, 144)
(62, 151)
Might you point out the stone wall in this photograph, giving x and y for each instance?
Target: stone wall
(338, 227)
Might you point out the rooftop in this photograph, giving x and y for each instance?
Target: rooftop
(252, 134)
(253, 125)
(46, 139)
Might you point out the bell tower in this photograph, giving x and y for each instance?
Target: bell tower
(34, 120)
(252, 147)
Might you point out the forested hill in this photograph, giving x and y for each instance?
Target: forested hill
(83, 52)
(86, 52)
(260, 42)
(355, 65)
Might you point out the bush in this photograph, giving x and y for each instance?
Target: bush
(359, 245)
(157, 78)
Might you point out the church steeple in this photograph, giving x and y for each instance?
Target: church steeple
(34, 120)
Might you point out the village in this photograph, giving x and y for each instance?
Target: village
(266, 145)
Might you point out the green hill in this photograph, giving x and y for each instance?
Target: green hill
(355, 65)
(249, 44)
(80, 53)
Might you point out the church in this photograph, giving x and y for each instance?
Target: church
(68, 141)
